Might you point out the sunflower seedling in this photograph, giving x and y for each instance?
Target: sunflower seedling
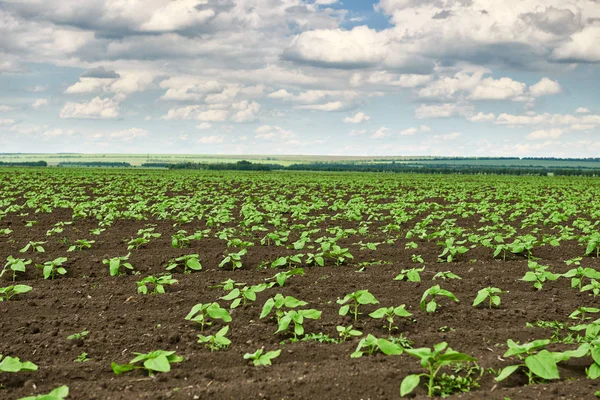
(14, 364)
(51, 268)
(291, 317)
(218, 341)
(78, 336)
(201, 313)
(445, 275)
(81, 244)
(34, 246)
(6, 293)
(282, 277)
(578, 274)
(189, 262)
(491, 293)
(287, 261)
(115, 264)
(347, 332)
(235, 259)
(538, 275)
(581, 312)
(260, 359)
(244, 295)
(60, 393)
(432, 361)
(435, 292)
(155, 361)
(452, 249)
(371, 344)
(389, 313)
(157, 283)
(594, 286)
(360, 297)
(411, 275)
(15, 265)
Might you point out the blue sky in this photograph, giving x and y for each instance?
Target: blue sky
(390, 77)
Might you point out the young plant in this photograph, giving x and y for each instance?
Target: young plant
(244, 295)
(581, 312)
(371, 344)
(157, 283)
(435, 292)
(51, 268)
(593, 245)
(432, 361)
(538, 275)
(81, 244)
(287, 261)
(218, 341)
(235, 259)
(445, 275)
(201, 313)
(83, 357)
(347, 332)
(360, 297)
(411, 275)
(260, 359)
(451, 249)
(6, 293)
(578, 275)
(14, 364)
(60, 393)
(285, 318)
(491, 293)
(155, 361)
(34, 246)
(389, 313)
(189, 262)
(594, 286)
(281, 277)
(416, 258)
(15, 265)
(78, 336)
(115, 264)
(136, 243)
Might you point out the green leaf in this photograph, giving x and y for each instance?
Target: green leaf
(119, 369)
(388, 348)
(507, 371)
(159, 364)
(481, 296)
(344, 310)
(408, 384)
(379, 313)
(267, 307)
(543, 365)
(593, 371)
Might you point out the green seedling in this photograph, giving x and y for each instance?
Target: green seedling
(78, 336)
(14, 364)
(285, 318)
(155, 361)
(60, 393)
(97, 231)
(5, 231)
(115, 264)
(157, 283)
(282, 277)
(594, 286)
(578, 275)
(201, 313)
(432, 361)
(260, 359)
(235, 259)
(360, 297)
(490, 293)
(276, 238)
(445, 275)
(15, 265)
(371, 344)
(228, 284)
(557, 327)
(581, 312)
(189, 262)
(51, 268)
(83, 357)
(347, 332)
(245, 294)
(6, 293)
(411, 275)
(435, 292)
(389, 313)
(451, 249)
(416, 258)
(288, 261)
(136, 243)
(81, 244)
(218, 341)
(593, 245)
(538, 275)
(34, 246)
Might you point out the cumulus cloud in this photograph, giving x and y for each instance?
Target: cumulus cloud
(248, 111)
(381, 133)
(582, 110)
(97, 108)
(280, 94)
(482, 117)
(101, 73)
(273, 133)
(581, 46)
(545, 134)
(39, 103)
(331, 106)
(444, 110)
(545, 86)
(358, 118)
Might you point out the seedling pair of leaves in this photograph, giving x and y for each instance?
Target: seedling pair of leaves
(490, 293)
(6, 293)
(260, 358)
(60, 393)
(411, 275)
(155, 361)
(432, 361)
(435, 292)
(81, 244)
(14, 364)
(539, 275)
(452, 248)
(54, 267)
(360, 297)
(218, 341)
(287, 261)
(285, 318)
(34, 246)
(201, 313)
(115, 264)
(282, 277)
(158, 284)
(578, 275)
(15, 265)
(389, 313)
(243, 295)
(189, 262)
(371, 344)
(347, 332)
(235, 259)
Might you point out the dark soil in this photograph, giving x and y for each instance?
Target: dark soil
(35, 326)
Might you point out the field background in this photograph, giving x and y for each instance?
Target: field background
(139, 159)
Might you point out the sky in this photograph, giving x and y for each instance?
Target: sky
(323, 77)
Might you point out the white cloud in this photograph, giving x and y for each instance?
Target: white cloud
(582, 110)
(399, 80)
(213, 139)
(357, 132)
(444, 110)
(280, 94)
(273, 132)
(581, 46)
(413, 130)
(482, 117)
(248, 112)
(39, 103)
(498, 89)
(381, 133)
(358, 118)
(38, 88)
(212, 115)
(5, 108)
(204, 125)
(331, 106)
(545, 87)
(545, 134)
(97, 108)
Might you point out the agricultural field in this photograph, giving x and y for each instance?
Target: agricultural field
(146, 284)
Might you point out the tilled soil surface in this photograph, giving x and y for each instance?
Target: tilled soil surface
(35, 326)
